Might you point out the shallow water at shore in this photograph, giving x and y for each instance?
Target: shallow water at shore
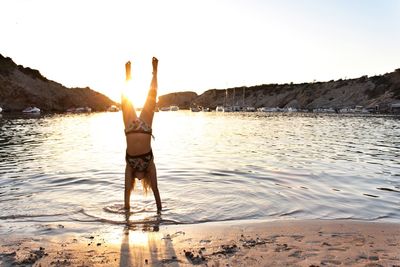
(62, 169)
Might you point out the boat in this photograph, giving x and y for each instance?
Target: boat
(195, 109)
(165, 108)
(236, 108)
(250, 109)
(265, 109)
(219, 109)
(244, 106)
(31, 110)
(83, 110)
(79, 110)
(227, 109)
(324, 110)
(113, 108)
(173, 108)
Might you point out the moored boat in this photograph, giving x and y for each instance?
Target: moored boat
(83, 110)
(79, 110)
(266, 109)
(195, 109)
(250, 109)
(165, 109)
(31, 110)
(228, 109)
(113, 108)
(219, 109)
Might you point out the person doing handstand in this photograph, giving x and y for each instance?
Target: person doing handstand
(139, 155)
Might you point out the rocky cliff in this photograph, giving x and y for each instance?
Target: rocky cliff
(182, 99)
(381, 91)
(21, 87)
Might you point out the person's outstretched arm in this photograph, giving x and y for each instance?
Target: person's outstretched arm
(148, 109)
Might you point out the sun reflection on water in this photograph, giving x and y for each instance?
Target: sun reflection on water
(139, 238)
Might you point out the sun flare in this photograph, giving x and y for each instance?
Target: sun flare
(136, 92)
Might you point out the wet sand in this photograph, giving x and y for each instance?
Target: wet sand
(278, 243)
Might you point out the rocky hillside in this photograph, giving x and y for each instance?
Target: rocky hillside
(21, 87)
(182, 99)
(381, 91)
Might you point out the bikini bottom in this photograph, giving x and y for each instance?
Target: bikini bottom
(139, 163)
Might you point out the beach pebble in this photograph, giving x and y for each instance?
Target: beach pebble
(373, 258)
(189, 254)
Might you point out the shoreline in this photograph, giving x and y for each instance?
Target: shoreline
(233, 243)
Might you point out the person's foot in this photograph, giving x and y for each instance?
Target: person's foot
(154, 62)
(128, 70)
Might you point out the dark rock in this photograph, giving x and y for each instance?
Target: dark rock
(21, 87)
(370, 92)
(182, 99)
(373, 258)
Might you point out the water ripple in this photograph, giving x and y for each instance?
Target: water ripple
(211, 167)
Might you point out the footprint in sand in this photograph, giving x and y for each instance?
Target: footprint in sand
(298, 238)
(359, 241)
(297, 254)
(282, 247)
(338, 249)
(330, 262)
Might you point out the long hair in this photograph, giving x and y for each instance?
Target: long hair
(146, 184)
(145, 181)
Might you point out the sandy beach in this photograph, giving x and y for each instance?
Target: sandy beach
(277, 243)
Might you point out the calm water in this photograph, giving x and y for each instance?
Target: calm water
(62, 169)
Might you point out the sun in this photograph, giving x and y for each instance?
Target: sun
(136, 91)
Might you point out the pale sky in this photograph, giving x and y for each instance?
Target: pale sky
(203, 44)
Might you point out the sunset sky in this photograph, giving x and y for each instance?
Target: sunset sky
(201, 44)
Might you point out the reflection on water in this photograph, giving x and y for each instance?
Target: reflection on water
(211, 167)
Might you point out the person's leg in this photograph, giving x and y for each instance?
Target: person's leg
(147, 113)
(128, 111)
(152, 174)
(129, 184)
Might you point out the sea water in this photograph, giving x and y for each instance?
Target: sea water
(69, 169)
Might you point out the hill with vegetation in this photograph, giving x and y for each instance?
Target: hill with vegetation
(21, 87)
(369, 92)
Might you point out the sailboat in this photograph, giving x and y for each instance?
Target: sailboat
(226, 108)
(248, 108)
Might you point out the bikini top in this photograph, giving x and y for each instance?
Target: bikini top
(138, 126)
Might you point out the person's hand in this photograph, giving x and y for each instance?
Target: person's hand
(128, 70)
(155, 64)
